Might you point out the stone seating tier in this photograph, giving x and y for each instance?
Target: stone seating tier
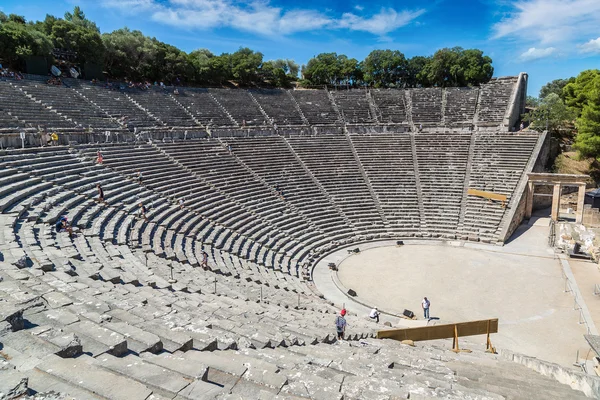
(32, 103)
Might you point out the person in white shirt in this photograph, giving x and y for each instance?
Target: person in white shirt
(425, 304)
(374, 314)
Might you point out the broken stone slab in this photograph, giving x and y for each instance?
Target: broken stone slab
(57, 300)
(138, 340)
(69, 344)
(200, 390)
(84, 372)
(179, 364)
(151, 375)
(98, 339)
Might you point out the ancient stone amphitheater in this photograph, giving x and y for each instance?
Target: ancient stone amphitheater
(266, 182)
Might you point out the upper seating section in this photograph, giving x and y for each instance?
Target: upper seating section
(78, 105)
(354, 106)
(279, 106)
(426, 106)
(391, 105)
(494, 99)
(118, 105)
(205, 109)
(164, 107)
(14, 101)
(241, 106)
(316, 106)
(461, 105)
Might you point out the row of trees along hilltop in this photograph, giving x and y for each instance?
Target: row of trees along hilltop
(127, 54)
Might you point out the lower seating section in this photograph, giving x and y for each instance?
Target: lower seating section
(331, 161)
(391, 105)
(274, 162)
(388, 163)
(316, 106)
(442, 161)
(278, 105)
(354, 106)
(426, 106)
(461, 104)
(494, 100)
(498, 164)
(122, 309)
(240, 105)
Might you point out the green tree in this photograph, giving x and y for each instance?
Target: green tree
(78, 18)
(459, 67)
(19, 40)
(384, 68)
(556, 86)
(578, 92)
(129, 54)
(86, 42)
(532, 102)
(583, 95)
(416, 71)
(245, 65)
(552, 114)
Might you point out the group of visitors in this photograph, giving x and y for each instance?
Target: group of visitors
(8, 74)
(48, 139)
(341, 323)
(54, 80)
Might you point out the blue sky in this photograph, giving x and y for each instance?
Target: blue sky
(548, 39)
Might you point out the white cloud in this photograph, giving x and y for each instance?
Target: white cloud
(386, 21)
(593, 46)
(550, 21)
(258, 16)
(359, 7)
(535, 54)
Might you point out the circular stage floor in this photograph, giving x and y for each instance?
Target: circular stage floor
(524, 290)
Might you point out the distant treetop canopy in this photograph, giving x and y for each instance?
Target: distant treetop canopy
(126, 54)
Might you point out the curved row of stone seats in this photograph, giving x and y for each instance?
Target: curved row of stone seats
(426, 106)
(388, 163)
(332, 163)
(279, 106)
(494, 99)
(354, 106)
(442, 162)
(70, 104)
(222, 171)
(316, 106)
(390, 105)
(162, 106)
(497, 166)
(461, 105)
(205, 109)
(118, 105)
(28, 111)
(193, 345)
(272, 159)
(241, 106)
(246, 225)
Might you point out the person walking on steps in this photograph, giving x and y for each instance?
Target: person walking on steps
(374, 314)
(425, 304)
(340, 324)
(100, 193)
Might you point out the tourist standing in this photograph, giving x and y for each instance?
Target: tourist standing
(340, 324)
(204, 263)
(100, 193)
(54, 138)
(425, 304)
(99, 158)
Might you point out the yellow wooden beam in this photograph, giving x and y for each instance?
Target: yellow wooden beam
(446, 331)
(487, 195)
